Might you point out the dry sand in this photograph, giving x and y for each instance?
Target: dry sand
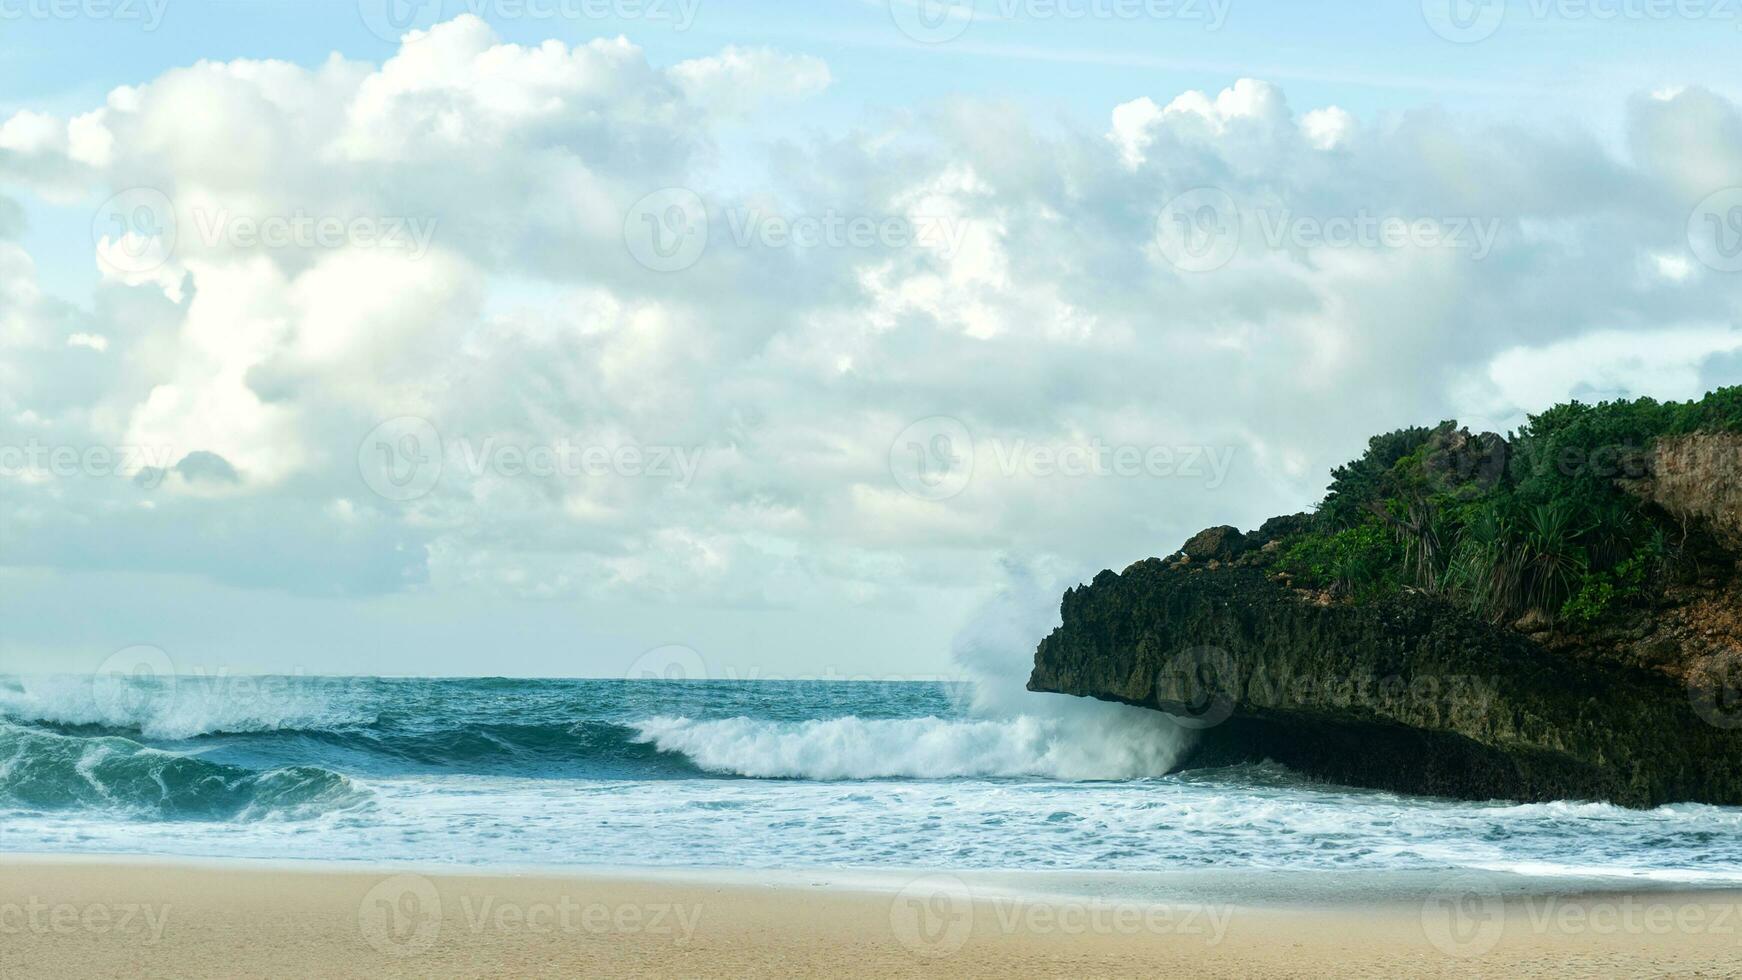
(105, 918)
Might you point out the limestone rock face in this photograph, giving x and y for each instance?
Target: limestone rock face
(1408, 693)
(1215, 544)
(1697, 477)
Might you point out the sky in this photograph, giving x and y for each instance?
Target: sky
(763, 340)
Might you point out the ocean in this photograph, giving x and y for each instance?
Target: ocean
(500, 773)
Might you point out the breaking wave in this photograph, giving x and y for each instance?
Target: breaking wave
(917, 748)
(46, 771)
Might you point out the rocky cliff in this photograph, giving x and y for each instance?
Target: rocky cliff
(1399, 669)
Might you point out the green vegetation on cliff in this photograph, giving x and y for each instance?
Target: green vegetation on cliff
(1537, 524)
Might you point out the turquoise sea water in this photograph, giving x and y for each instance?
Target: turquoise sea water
(735, 775)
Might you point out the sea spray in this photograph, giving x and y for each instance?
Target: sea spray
(1000, 729)
(174, 708)
(908, 748)
(1102, 740)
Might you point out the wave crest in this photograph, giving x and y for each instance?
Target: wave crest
(919, 748)
(178, 708)
(45, 771)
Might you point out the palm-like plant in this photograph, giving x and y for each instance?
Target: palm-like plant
(1553, 559)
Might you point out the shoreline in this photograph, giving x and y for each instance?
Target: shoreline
(154, 916)
(1254, 888)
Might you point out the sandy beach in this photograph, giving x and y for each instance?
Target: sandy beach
(70, 918)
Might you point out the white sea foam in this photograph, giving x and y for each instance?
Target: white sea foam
(1012, 731)
(917, 748)
(173, 708)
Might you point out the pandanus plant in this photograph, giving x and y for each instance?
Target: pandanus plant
(1553, 558)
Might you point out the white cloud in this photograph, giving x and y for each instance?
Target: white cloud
(738, 80)
(1051, 321)
(1665, 363)
(1327, 127)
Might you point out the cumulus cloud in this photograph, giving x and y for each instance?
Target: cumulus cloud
(742, 79)
(880, 311)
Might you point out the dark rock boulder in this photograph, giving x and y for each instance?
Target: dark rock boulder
(1404, 693)
(1215, 544)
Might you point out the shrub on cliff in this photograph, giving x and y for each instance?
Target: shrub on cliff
(1533, 523)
